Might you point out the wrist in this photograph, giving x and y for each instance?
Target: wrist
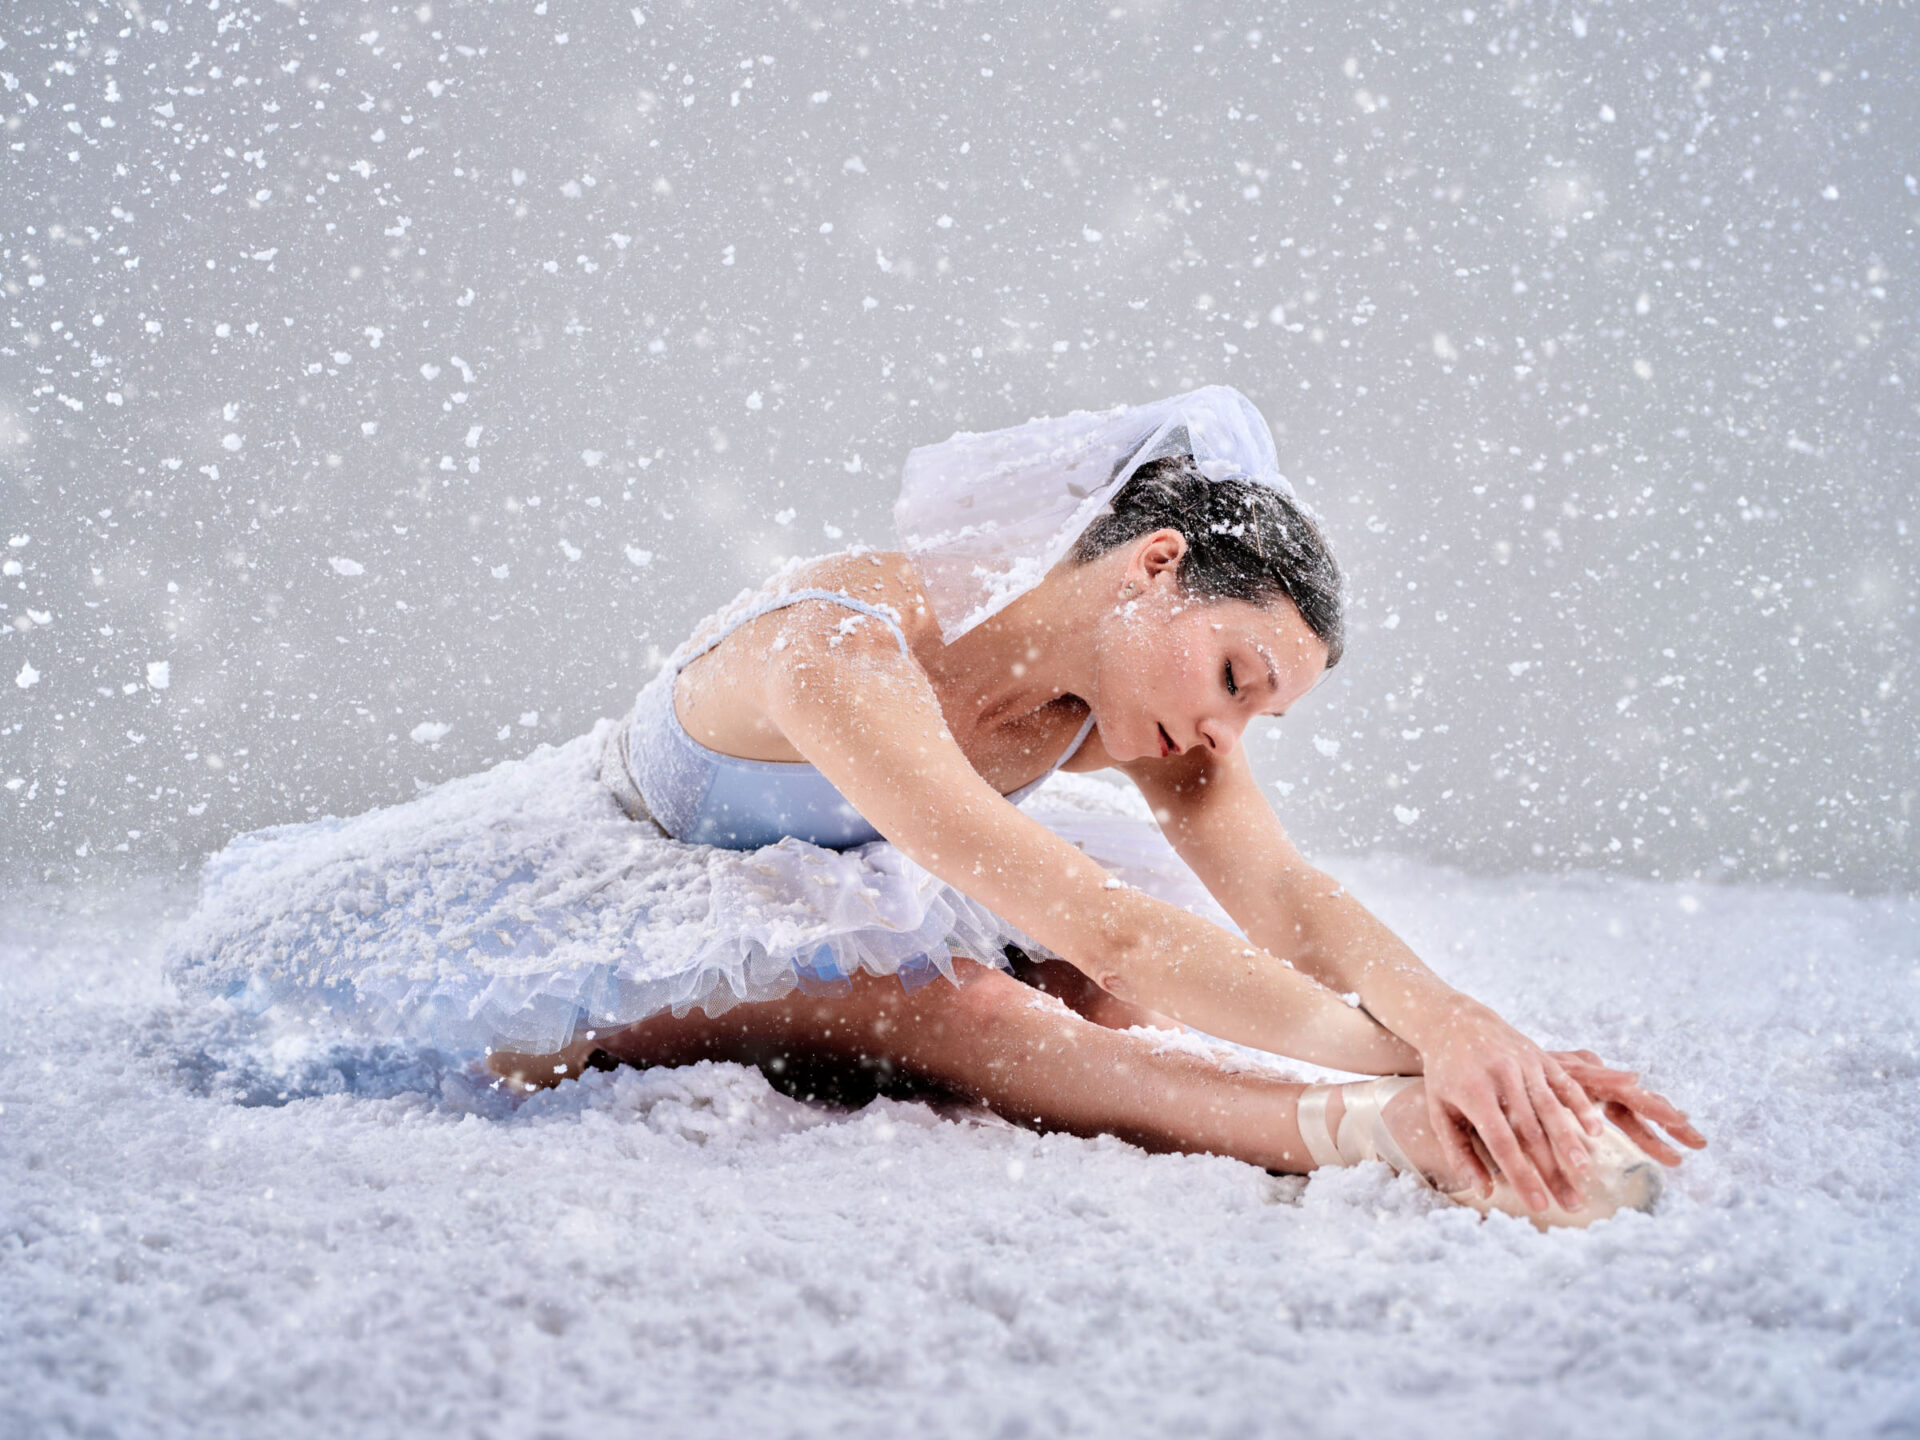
(1442, 1016)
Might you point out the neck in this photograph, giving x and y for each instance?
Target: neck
(1028, 655)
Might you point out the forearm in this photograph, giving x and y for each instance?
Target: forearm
(1339, 942)
(1177, 963)
(1230, 836)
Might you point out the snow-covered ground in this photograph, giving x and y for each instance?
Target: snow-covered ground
(201, 1236)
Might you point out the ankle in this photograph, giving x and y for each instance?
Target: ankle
(1406, 1116)
(1336, 1109)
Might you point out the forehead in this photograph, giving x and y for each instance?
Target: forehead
(1276, 628)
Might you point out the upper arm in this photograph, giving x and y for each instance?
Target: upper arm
(866, 716)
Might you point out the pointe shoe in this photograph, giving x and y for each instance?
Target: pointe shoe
(1621, 1177)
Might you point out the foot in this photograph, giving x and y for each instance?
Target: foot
(1405, 1117)
(1619, 1174)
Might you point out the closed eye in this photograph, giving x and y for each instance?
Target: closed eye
(1232, 689)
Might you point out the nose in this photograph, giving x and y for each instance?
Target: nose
(1221, 734)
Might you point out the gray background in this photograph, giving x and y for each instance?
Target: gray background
(1589, 330)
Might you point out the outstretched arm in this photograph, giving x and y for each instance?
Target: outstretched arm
(1481, 1072)
(868, 718)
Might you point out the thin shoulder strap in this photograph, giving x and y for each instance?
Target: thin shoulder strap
(1086, 729)
(780, 601)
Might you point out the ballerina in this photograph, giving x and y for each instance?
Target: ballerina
(804, 847)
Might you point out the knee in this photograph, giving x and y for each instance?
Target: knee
(997, 1018)
(987, 996)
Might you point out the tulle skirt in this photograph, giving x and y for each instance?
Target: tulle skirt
(510, 908)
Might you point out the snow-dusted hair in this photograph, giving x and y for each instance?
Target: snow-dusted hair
(1245, 541)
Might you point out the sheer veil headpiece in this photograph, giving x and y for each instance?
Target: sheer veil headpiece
(986, 516)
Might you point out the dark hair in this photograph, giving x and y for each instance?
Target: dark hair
(1245, 541)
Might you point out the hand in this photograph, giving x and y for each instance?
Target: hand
(1630, 1106)
(1485, 1077)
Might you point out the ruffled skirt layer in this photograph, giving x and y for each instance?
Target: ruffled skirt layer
(509, 908)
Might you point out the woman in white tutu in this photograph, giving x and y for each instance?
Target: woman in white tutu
(803, 848)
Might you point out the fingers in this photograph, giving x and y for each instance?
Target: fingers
(1591, 1073)
(1687, 1135)
(1585, 1058)
(1635, 1130)
(1666, 1115)
(1574, 1096)
(1565, 1135)
(1496, 1132)
(1621, 1087)
(1448, 1128)
(1645, 1104)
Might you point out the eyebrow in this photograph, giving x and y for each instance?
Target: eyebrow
(1273, 675)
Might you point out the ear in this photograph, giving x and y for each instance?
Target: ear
(1155, 560)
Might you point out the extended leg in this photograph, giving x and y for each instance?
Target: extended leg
(1029, 1058)
(1021, 1053)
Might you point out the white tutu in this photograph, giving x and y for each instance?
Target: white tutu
(509, 908)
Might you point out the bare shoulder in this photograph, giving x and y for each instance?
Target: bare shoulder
(884, 579)
(740, 697)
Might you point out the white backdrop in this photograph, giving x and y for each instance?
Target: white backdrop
(383, 390)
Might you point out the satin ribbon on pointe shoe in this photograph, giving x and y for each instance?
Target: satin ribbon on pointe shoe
(1621, 1177)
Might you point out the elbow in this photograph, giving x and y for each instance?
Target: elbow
(1119, 983)
(1118, 950)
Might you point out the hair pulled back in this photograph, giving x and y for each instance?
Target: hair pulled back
(1245, 541)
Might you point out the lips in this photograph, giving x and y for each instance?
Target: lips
(1167, 747)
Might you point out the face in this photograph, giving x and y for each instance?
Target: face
(1178, 673)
